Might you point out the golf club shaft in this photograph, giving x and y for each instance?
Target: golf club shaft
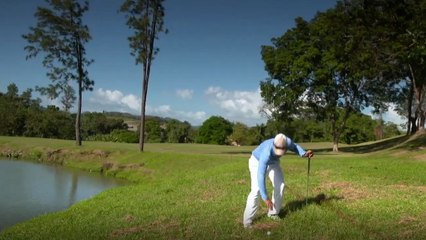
(307, 182)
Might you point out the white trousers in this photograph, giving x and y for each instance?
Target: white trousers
(275, 174)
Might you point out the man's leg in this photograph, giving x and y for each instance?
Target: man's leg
(254, 195)
(277, 178)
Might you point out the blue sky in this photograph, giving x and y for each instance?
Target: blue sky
(209, 63)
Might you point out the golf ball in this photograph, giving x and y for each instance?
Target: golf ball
(268, 233)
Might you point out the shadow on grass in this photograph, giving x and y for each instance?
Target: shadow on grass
(410, 142)
(237, 152)
(300, 204)
(416, 142)
(382, 145)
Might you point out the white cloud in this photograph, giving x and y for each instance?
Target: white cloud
(162, 110)
(392, 116)
(185, 93)
(132, 102)
(114, 100)
(197, 116)
(240, 106)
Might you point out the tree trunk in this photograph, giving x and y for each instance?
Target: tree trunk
(143, 104)
(334, 132)
(418, 91)
(413, 129)
(335, 147)
(78, 117)
(80, 92)
(410, 106)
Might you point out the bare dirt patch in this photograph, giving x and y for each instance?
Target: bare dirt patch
(324, 173)
(242, 182)
(161, 226)
(399, 153)
(420, 157)
(347, 190)
(412, 225)
(126, 231)
(10, 153)
(129, 218)
(211, 195)
(416, 156)
(409, 188)
(131, 166)
(266, 226)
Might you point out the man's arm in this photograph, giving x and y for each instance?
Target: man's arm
(298, 149)
(261, 177)
(294, 147)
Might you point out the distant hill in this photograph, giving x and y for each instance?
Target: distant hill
(124, 116)
(133, 120)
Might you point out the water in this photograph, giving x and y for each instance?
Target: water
(29, 189)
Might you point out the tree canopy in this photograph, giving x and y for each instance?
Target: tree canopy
(339, 63)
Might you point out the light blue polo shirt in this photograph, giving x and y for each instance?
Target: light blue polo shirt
(264, 153)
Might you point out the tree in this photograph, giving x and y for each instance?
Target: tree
(411, 38)
(62, 89)
(154, 133)
(48, 122)
(214, 130)
(177, 132)
(399, 32)
(146, 17)
(242, 135)
(391, 130)
(239, 134)
(13, 110)
(359, 128)
(326, 65)
(61, 35)
(98, 124)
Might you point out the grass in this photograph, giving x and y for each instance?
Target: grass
(189, 191)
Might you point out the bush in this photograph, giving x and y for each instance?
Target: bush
(116, 135)
(124, 136)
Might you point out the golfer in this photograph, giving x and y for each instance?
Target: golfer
(265, 160)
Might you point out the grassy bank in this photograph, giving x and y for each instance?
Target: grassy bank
(199, 192)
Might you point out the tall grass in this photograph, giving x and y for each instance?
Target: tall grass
(184, 191)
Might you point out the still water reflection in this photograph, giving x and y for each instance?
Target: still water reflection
(29, 189)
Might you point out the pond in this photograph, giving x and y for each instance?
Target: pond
(29, 189)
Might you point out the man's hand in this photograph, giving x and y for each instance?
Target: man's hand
(309, 154)
(269, 204)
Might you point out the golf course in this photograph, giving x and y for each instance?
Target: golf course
(374, 190)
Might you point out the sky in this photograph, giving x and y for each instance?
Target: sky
(209, 63)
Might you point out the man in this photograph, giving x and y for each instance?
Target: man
(265, 160)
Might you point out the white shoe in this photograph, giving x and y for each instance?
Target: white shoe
(247, 226)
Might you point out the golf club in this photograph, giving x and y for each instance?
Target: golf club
(307, 182)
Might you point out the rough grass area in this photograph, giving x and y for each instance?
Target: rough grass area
(184, 191)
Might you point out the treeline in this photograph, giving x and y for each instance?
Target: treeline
(21, 115)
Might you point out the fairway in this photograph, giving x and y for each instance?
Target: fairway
(188, 191)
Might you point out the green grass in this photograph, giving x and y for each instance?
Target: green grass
(189, 191)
